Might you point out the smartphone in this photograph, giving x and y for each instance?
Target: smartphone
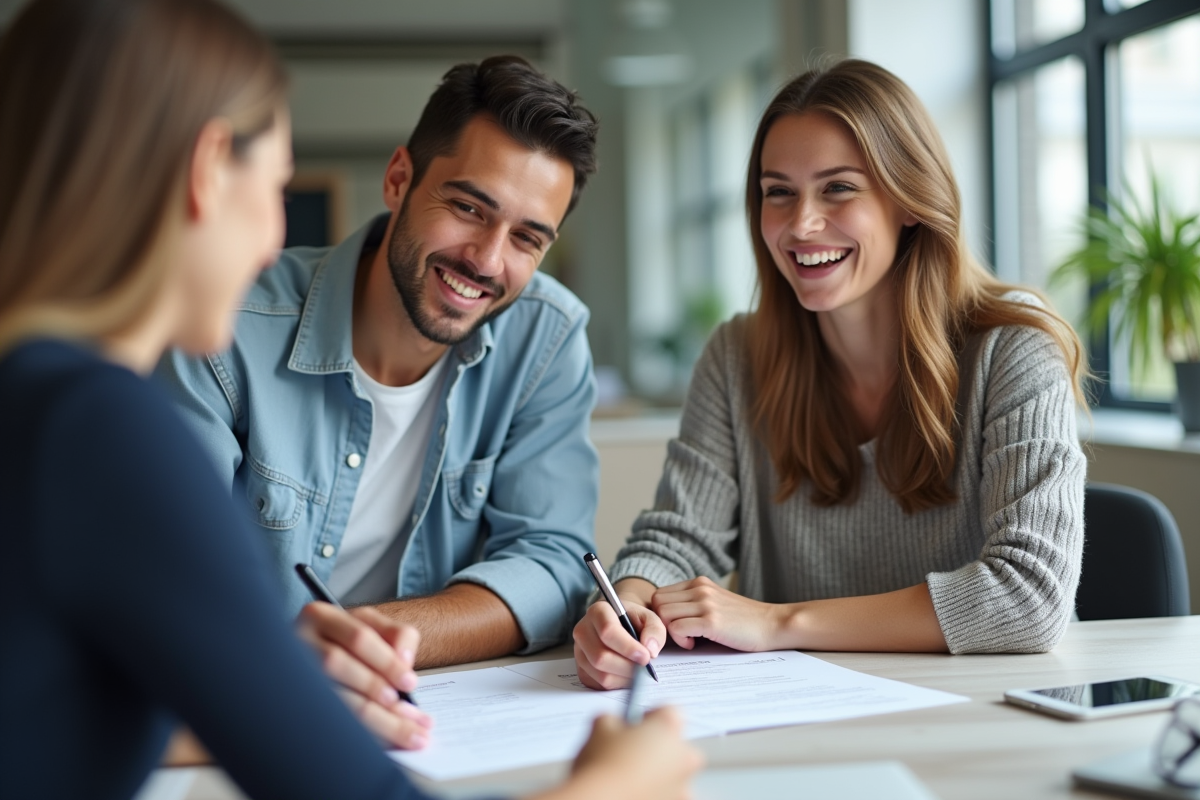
(1105, 699)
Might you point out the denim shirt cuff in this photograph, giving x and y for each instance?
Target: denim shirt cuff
(531, 593)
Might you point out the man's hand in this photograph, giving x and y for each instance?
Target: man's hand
(605, 654)
(700, 607)
(372, 658)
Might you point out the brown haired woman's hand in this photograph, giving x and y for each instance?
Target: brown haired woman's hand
(605, 654)
(700, 607)
(649, 761)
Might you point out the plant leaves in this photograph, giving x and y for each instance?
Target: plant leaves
(1142, 262)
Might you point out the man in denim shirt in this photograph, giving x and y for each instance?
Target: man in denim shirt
(426, 362)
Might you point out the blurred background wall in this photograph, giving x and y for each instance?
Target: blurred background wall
(657, 247)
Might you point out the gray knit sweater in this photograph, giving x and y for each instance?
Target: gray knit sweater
(1002, 561)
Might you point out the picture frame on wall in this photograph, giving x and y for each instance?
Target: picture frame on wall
(315, 209)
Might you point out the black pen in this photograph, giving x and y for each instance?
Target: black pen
(320, 592)
(610, 594)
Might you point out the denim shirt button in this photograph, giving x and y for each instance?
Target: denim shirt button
(328, 551)
(353, 460)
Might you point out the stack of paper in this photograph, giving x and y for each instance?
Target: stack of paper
(531, 713)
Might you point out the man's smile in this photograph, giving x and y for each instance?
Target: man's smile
(458, 285)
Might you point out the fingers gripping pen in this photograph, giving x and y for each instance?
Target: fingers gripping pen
(606, 588)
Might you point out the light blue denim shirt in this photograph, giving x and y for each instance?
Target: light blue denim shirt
(508, 490)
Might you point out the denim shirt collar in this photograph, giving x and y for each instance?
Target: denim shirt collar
(324, 340)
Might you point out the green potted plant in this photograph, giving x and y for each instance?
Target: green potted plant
(1143, 264)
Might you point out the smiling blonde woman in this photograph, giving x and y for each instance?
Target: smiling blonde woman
(885, 448)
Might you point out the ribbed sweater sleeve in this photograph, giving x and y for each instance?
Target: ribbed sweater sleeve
(1017, 597)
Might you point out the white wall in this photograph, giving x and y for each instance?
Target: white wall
(937, 47)
(632, 453)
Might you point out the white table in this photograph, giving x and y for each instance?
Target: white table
(982, 749)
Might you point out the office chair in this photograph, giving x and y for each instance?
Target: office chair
(1133, 563)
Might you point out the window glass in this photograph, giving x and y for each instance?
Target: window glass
(735, 116)
(1023, 24)
(1041, 177)
(1158, 80)
(692, 179)
(708, 271)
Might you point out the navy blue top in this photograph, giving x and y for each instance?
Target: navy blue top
(133, 597)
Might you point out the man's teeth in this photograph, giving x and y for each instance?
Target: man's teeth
(813, 259)
(458, 286)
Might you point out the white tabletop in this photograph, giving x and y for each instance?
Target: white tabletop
(982, 749)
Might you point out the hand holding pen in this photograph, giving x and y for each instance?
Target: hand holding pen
(646, 751)
(607, 639)
(372, 659)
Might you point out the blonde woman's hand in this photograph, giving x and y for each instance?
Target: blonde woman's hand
(648, 761)
(605, 654)
(700, 607)
(371, 657)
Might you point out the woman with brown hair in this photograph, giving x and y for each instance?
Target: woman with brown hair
(144, 147)
(885, 448)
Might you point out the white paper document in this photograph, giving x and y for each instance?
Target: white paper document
(870, 780)
(863, 780)
(488, 720)
(536, 712)
(724, 691)
(171, 783)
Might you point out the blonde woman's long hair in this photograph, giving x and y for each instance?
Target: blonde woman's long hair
(943, 296)
(101, 105)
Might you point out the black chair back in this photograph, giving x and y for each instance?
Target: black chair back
(1133, 562)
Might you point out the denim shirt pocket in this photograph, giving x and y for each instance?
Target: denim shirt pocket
(274, 500)
(468, 486)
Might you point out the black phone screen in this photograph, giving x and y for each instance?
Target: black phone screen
(1115, 693)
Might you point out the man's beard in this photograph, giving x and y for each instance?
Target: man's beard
(403, 262)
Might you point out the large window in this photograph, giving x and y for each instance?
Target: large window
(1089, 96)
(692, 265)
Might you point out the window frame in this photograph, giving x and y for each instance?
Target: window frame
(1091, 45)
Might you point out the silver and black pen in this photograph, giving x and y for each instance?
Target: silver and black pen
(610, 594)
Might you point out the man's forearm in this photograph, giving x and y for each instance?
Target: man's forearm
(462, 623)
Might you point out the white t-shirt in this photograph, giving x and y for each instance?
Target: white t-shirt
(379, 524)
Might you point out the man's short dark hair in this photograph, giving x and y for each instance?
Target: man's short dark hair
(534, 110)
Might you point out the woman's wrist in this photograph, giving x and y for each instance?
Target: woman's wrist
(793, 626)
(638, 589)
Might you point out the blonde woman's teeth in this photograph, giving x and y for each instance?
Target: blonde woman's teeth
(825, 256)
(459, 287)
